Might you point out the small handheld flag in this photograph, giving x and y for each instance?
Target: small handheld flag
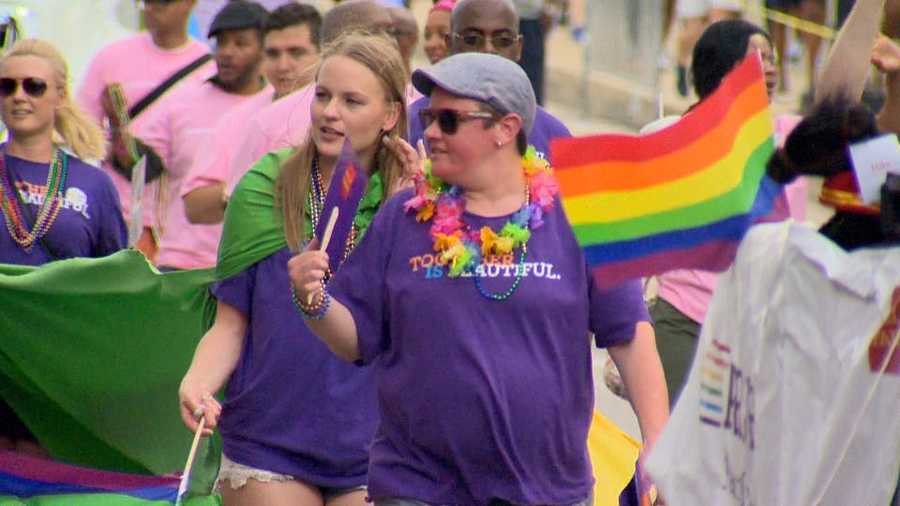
(348, 184)
(680, 198)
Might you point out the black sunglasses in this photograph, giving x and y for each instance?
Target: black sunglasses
(448, 120)
(33, 86)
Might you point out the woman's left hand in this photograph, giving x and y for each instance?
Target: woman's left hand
(413, 160)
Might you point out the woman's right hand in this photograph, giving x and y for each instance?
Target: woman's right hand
(307, 270)
(197, 402)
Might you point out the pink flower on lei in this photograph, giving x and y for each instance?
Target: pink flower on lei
(448, 218)
(543, 188)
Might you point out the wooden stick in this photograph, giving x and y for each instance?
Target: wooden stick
(186, 476)
(326, 238)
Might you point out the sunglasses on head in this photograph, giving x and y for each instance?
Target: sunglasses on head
(448, 120)
(477, 40)
(33, 86)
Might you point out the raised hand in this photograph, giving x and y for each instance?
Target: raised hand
(413, 160)
(886, 55)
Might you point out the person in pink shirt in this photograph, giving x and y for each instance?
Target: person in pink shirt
(140, 64)
(186, 119)
(285, 123)
(291, 48)
(684, 295)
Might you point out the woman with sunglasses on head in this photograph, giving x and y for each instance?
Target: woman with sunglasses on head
(473, 302)
(297, 422)
(54, 204)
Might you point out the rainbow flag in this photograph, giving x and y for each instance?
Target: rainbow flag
(27, 480)
(680, 198)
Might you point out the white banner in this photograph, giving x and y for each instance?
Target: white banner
(794, 394)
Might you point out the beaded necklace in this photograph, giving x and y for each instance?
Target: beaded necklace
(463, 249)
(11, 202)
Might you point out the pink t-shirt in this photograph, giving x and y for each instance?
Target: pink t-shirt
(691, 290)
(213, 162)
(139, 66)
(282, 124)
(177, 131)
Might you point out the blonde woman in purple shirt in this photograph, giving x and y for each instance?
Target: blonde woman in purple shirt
(297, 422)
(472, 301)
(54, 205)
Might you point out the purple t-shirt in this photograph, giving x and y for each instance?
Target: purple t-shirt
(546, 127)
(89, 224)
(292, 407)
(479, 399)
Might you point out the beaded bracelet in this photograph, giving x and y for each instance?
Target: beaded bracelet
(316, 311)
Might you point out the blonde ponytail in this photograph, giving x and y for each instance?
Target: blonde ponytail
(75, 128)
(79, 131)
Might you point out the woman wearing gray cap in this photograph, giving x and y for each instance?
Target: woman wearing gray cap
(473, 302)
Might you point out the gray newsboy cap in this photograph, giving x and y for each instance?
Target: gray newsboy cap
(494, 80)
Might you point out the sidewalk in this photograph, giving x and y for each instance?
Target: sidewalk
(608, 97)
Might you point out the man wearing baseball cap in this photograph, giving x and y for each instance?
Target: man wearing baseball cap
(185, 121)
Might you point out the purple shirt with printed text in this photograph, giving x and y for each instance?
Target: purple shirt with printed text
(89, 224)
(480, 400)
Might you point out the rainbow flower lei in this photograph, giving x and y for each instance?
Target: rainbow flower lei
(463, 249)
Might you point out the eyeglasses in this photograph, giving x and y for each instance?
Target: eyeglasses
(33, 86)
(142, 4)
(476, 40)
(448, 120)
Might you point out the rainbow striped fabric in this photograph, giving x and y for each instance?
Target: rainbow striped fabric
(679, 198)
(27, 480)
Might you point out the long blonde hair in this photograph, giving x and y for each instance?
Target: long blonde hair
(77, 129)
(380, 55)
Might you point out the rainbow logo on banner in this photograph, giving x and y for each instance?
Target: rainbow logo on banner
(680, 198)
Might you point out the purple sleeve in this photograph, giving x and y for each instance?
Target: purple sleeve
(237, 291)
(616, 311)
(360, 284)
(113, 233)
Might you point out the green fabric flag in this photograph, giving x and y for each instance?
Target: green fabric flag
(93, 350)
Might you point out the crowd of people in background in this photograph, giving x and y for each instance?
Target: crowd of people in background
(389, 379)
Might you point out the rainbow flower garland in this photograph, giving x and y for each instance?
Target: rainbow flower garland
(464, 249)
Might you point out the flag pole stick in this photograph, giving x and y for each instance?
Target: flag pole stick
(326, 238)
(186, 475)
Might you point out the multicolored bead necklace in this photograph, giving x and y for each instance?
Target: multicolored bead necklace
(11, 202)
(463, 249)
